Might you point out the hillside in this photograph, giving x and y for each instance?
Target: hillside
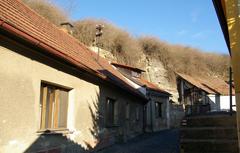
(160, 59)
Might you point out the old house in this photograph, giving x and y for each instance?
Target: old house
(203, 95)
(56, 95)
(157, 110)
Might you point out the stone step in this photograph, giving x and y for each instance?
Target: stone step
(209, 146)
(208, 133)
(209, 121)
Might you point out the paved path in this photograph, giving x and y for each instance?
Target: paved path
(166, 141)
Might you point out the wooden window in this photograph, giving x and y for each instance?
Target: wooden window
(158, 109)
(112, 112)
(54, 105)
(127, 111)
(137, 113)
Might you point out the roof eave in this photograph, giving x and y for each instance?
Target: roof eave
(218, 5)
(35, 42)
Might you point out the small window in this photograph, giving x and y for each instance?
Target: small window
(127, 111)
(135, 74)
(137, 113)
(54, 105)
(112, 112)
(158, 109)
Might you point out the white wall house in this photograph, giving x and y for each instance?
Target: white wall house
(202, 96)
(221, 102)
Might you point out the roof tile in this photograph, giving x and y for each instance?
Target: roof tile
(24, 19)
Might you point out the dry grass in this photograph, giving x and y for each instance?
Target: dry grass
(191, 61)
(129, 50)
(116, 40)
(48, 10)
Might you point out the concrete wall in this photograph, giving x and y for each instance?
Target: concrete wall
(176, 115)
(22, 71)
(154, 123)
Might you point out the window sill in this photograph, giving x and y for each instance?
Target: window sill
(54, 131)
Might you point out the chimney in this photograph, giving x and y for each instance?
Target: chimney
(67, 27)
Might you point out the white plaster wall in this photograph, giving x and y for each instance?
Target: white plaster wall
(20, 80)
(136, 86)
(225, 102)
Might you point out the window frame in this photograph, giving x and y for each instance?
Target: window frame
(115, 118)
(53, 105)
(158, 110)
(127, 115)
(137, 113)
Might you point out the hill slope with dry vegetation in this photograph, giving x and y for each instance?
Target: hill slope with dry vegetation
(134, 50)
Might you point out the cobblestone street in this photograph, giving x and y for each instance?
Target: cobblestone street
(166, 141)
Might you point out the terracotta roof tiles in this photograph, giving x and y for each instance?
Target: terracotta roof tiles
(209, 84)
(17, 17)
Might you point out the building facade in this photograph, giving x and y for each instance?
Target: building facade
(55, 96)
(157, 110)
(201, 96)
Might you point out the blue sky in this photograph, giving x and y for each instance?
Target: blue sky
(187, 22)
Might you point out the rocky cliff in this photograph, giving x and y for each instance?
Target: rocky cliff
(155, 71)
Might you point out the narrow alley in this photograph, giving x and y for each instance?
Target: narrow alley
(166, 141)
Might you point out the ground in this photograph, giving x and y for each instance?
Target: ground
(166, 141)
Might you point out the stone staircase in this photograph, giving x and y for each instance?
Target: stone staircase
(212, 133)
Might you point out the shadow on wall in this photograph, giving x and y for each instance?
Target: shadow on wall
(60, 143)
(103, 137)
(97, 119)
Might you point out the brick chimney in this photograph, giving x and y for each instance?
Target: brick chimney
(67, 27)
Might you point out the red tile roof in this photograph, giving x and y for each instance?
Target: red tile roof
(140, 81)
(208, 84)
(152, 86)
(23, 22)
(196, 82)
(218, 85)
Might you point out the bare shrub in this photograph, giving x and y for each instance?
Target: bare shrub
(48, 10)
(116, 40)
(129, 50)
(183, 59)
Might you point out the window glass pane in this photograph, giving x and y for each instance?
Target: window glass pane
(47, 116)
(127, 111)
(115, 112)
(158, 109)
(63, 107)
(54, 105)
(112, 112)
(49, 108)
(137, 113)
